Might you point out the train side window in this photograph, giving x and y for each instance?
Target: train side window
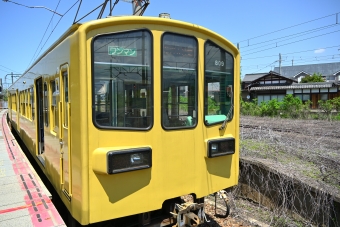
(54, 105)
(46, 112)
(179, 81)
(32, 103)
(25, 103)
(65, 82)
(14, 104)
(218, 84)
(122, 80)
(21, 103)
(28, 104)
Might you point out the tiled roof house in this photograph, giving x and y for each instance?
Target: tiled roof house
(273, 85)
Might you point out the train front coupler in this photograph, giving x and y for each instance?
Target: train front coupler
(189, 214)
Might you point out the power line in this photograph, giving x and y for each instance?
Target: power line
(4, 71)
(43, 36)
(294, 36)
(42, 7)
(276, 43)
(291, 42)
(336, 59)
(53, 28)
(320, 57)
(289, 27)
(11, 70)
(306, 59)
(328, 60)
(265, 66)
(291, 53)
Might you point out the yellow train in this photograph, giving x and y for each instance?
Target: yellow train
(126, 114)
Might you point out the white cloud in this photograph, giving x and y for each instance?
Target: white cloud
(319, 51)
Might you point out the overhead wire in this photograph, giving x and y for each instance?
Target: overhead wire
(291, 42)
(289, 27)
(305, 59)
(336, 59)
(293, 36)
(35, 55)
(306, 32)
(11, 70)
(4, 71)
(41, 7)
(290, 53)
(57, 25)
(266, 66)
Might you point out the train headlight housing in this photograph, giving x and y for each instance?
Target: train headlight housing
(221, 147)
(128, 160)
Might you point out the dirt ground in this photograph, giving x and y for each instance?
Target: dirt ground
(308, 150)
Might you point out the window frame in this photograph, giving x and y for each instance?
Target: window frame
(196, 81)
(232, 99)
(151, 85)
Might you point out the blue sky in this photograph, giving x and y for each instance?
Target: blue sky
(303, 31)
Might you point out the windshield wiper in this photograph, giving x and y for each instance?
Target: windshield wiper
(227, 118)
(230, 94)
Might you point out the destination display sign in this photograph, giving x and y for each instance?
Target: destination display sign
(121, 51)
(178, 51)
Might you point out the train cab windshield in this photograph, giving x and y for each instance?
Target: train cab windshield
(179, 81)
(219, 80)
(122, 79)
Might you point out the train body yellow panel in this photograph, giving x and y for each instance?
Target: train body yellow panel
(125, 113)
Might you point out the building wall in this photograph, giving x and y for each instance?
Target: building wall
(304, 94)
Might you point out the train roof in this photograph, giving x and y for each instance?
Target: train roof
(126, 20)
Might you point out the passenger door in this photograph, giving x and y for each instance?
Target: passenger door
(40, 115)
(64, 135)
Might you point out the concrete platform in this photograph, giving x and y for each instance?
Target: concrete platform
(24, 200)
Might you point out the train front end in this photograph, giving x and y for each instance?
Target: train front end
(164, 115)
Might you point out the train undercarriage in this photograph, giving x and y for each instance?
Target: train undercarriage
(177, 212)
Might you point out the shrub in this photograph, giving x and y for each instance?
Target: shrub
(336, 103)
(250, 108)
(291, 107)
(327, 107)
(270, 108)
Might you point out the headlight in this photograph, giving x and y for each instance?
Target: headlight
(221, 147)
(128, 160)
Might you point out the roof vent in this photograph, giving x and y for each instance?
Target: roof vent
(164, 15)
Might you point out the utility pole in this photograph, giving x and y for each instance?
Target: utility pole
(292, 62)
(12, 75)
(280, 64)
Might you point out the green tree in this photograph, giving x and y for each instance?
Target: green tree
(316, 77)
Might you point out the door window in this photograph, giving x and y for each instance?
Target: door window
(179, 81)
(122, 80)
